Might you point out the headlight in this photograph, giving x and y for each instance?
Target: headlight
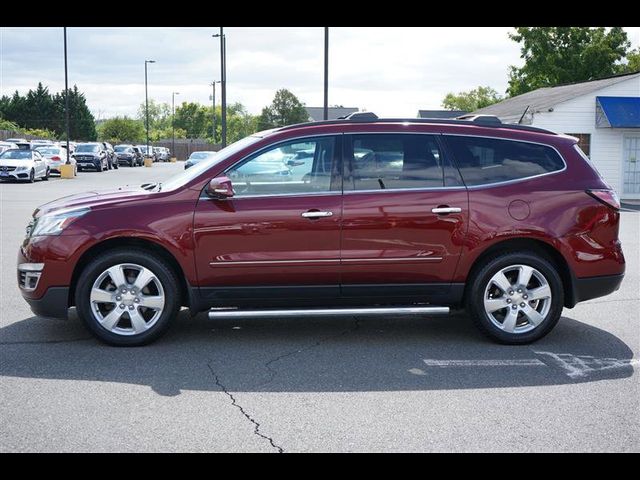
(21, 169)
(56, 222)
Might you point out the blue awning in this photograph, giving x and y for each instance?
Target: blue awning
(618, 112)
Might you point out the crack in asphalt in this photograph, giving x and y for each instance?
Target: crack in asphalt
(273, 373)
(234, 402)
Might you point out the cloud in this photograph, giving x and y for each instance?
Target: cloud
(392, 71)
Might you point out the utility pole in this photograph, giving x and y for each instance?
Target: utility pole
(223, 82)
(146, 99)
(213, 84)
(325, 115)
(173, 122)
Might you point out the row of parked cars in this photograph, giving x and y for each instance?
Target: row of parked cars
(25, 160)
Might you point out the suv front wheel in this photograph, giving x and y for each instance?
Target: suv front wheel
(127, 297)
(516, 298)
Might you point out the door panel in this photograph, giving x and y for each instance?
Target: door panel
(394, 238)
(392, 241)
(282, 227)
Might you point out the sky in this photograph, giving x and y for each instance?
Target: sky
(393, 72)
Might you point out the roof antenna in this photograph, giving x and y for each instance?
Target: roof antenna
(523, 114)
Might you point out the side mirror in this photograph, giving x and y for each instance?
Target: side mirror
(220, 188)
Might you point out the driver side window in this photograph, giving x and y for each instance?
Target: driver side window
(299, 166)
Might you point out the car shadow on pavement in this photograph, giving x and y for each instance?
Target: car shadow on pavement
(315, 354)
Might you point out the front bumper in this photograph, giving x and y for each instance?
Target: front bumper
(15, 175)
(89, 163)
(53, 304)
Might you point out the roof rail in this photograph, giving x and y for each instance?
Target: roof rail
(482, 119)
(369, 117)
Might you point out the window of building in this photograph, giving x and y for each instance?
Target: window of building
(584, 142)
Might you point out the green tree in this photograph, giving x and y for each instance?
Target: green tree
(38, 109)
(285, 109)
(121, 129)
(192, 118)
(82, 124)
(633, 61)
(556, 55)
(472, 100)
(159, 114)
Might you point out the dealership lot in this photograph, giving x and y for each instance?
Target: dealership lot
(313, 384)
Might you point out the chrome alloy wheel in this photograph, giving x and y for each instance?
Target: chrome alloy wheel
(517, 299)
(127, 299)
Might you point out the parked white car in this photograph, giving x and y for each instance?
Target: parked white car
(7, 146)
(55, 157)
(26, 165)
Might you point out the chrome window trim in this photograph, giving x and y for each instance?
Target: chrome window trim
(515, 180)
(204, 196)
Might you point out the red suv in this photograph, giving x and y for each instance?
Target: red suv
(361, 215)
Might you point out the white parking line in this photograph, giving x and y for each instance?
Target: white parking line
(526, 362)
(574, 366)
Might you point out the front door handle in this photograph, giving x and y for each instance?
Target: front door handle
(444, 210)
(316, 214)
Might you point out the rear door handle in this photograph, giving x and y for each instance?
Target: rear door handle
(316, 214)
(445, 210)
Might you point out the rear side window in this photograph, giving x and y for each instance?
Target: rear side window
(394, 161)
(491, 160)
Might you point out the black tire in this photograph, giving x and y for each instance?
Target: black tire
(476, 289)
(32, 176)
(160, 269)
(99, 169)
(46, 175)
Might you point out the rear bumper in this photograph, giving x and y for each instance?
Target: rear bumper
(594, 287)
(53, 304)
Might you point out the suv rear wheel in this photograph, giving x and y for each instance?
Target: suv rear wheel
(127, 297)
(516, 298)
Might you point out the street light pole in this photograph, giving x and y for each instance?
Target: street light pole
(146, 99)
(213, 84)
(173, 122)
(223, 82)
(66, 95)
(325, 114)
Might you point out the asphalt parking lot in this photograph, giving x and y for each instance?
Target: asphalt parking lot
(313, 384)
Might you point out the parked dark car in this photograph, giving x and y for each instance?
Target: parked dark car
(127, 155)
(391, 216)
(91, 155)
(112, 157)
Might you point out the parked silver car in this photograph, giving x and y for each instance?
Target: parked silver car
(27, 165)
(197, 157)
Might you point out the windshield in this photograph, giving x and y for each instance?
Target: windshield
(16, 155)
(87, 148)
(123, 149)
(201, 167)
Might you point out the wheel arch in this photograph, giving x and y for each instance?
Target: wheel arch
(536, 246)
(120, 242)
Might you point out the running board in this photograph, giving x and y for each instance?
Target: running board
(328, 312)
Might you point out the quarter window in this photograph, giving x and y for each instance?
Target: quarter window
(394, 161)
(491, 160)
(300, 166)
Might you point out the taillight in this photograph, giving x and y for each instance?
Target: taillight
(56, 158)
(608, 197)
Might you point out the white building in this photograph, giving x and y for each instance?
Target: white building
(604, 114)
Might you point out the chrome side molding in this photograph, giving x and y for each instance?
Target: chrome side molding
(409, 310)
